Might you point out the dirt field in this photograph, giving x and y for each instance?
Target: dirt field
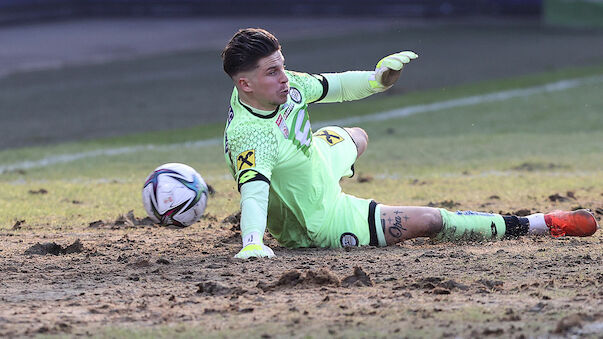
(125, 274)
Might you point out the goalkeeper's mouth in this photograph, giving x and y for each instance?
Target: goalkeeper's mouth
(284, 93)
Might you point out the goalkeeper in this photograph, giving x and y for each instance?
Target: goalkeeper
(288, 176)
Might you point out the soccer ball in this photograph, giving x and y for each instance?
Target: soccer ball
(174, 195)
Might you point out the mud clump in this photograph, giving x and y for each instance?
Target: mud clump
(140, 264)
(217, 289)
(290, 278)
(445, 204)
(427, 283)
(76, 247)
(234, 219)
(17, 225)
(440, 290)
(123, 221)
(491, 284)
(96, 224)
(557, 197)
(295, 278)
(451, 285)
(129, 220)
(358, 279)
(45, 248)
(437, 285)
(54, 248)
(321, 277)
(493, 332)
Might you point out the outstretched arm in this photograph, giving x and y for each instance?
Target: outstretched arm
(355, 85)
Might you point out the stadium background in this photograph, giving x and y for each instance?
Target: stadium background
(22, 10)
(483, 39)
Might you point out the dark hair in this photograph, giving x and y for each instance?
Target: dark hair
(246, 48)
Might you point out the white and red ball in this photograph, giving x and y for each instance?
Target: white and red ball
(174, 194)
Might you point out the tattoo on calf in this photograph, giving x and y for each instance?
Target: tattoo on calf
(396, 229)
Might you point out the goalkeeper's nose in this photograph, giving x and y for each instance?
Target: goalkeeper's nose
(283, 77)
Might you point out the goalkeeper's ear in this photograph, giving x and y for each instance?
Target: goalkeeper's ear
(243, 84)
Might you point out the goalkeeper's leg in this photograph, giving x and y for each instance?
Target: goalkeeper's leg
(406, 222)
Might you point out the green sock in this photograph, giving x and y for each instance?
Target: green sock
(469, 225)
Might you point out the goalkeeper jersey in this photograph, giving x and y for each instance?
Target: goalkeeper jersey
(277, 148)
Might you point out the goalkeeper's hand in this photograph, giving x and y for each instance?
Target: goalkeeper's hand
(388, 70)
(253, 246)
(255, 250)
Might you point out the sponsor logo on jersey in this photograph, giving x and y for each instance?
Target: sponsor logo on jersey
(280, 122)
(329, 136)
(246, 159)
(348, 240)
(288, 111)
(295, 95)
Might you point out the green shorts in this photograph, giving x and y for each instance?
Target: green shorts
(350, 221)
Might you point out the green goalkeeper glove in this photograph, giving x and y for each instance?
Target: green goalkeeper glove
(255, 250)
(388, 70)
(253, 246)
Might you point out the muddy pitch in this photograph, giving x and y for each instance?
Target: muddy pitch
(131, 275)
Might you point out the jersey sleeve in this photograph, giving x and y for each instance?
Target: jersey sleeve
(314, 86)
(348, 86)
(253, 152)
(254, 209)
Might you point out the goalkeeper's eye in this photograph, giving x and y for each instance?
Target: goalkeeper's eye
(271, 71)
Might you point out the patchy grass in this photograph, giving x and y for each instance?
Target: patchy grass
(522, 150)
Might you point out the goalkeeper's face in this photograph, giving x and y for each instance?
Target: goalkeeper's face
(267, 85)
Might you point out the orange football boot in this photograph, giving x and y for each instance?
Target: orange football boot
(579, 223)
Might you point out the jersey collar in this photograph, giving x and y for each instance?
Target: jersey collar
(259, 115)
